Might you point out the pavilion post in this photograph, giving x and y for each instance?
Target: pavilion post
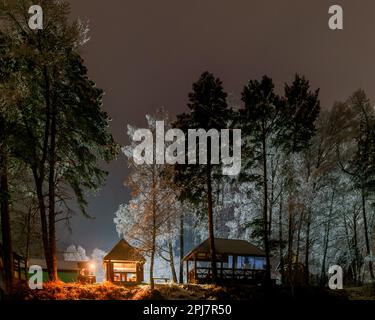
(187, 271)
(19, 268)
(195, 268)
(233, 265)
(26, 266)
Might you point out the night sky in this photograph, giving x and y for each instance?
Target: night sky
(146, 54)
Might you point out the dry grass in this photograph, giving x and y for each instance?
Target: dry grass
(366, 292)
(77, 291)
(109, 291)
(190, 292)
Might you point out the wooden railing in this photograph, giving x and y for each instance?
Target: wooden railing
(19, 264)
(203, 274)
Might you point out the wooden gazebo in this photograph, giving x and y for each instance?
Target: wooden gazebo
(237, 260)
(124, 264)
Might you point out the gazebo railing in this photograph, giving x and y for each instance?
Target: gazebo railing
(201, 274)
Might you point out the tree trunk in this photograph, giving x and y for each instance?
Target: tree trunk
(271, 201)
(365, 226)
(211, 224)
(38, 170)
(152, 259)
(153, 239)
(5, 222)
(43, 219)
(270, 213)
(181, 273)
(307, 248)
(323, 271)
(301, 216)
(356, 250)
(281, 254)
(171, 261)
(265, 213)
(290, 242)
(350, 249)
(51, 197)
(153, 249)
(50, 254)
(28, 236)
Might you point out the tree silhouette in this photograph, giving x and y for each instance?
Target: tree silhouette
(63, 132)
(267, 119)
(208, 110)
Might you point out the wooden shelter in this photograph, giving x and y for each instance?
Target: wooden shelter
(237, 260)
(124, 264)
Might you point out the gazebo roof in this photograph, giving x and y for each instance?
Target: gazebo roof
(227, 247)
(62, 265)
(124, 251)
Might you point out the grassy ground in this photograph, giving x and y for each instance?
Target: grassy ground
(108, 291)
(366, 292)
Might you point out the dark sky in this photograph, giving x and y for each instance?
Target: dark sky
(146, 54)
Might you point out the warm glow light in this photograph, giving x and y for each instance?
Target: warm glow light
(92, 266)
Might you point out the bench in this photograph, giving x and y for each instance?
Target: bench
(166, 280)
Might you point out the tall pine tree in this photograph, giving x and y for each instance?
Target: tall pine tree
(64, 134)
(208, 110)
(267, 119)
